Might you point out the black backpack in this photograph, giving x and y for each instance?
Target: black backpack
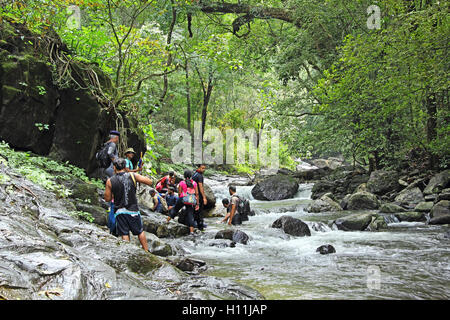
(243, 208)
(102, 156)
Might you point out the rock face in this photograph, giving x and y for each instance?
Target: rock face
(292, 226)
(409, 198)
(362, 200)
(276, 187)
(438, 182)
(66, 124)
(381, 182)
(354, 222)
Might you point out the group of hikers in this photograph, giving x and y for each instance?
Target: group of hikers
(186, 200)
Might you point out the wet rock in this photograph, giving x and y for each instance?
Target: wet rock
(410, 216)
(442, 208)
(344, 202)
(326, 249)
(391, 208)
(188, 264)
(362, 200)
(319, 226)
(354, 222)
(377, 223)
(237, 236)
(157, 246)
(211, 198)
(438, 182)
(156, 223)
(323, 204)
(276, 187)
(424, 207)
(444, 219)
(409, 198)
(98, 213)
(292, 226)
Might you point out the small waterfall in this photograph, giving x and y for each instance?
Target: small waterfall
(390, 218)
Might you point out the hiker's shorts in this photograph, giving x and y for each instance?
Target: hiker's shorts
(129, 222)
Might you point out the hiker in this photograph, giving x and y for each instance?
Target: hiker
(188, 197)
(165, 182)
(171, 198)
(233, 216)
(198, 177)
(109, 153)
(122, 186)
(130, 154)
(157, 203)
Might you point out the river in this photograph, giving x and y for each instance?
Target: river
(409, 260)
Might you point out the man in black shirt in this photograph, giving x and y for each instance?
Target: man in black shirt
(122, 186)
(198, 177)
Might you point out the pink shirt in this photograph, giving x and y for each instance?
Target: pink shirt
(184, 187)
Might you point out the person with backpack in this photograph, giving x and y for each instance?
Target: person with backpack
(108, 153)
(122, 186)
(165, 182)
(188, 197)
(157, 201)
(198, 177)
(237, 208)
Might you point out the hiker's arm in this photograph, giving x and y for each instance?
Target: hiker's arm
(233, 210)
(155, 203)
(143, 179)
(196, 197)
(108, 195)
(202, 191)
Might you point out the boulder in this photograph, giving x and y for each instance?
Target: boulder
(444, 219)
(444, 195)
(391, 208)
(157, 246)
(292, 226)
(442, 208)
(362, 200)
(381, 182)
(156, 223)
(326, 249)
(438, 182)
(325, 203)
(234, 235)
(424, 206)
(410, 216)
(354, 222)
(211, 198)
(276, 187)
(377, 223)
(344, 201)
(409, 198)
(340, 182)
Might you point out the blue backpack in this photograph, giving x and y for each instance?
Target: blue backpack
(112, 221)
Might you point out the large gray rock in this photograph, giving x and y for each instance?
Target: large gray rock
(424, 207)
(354, 222)
(323, 204)
(362, 200)
(292, 226)
(410, 216)
(409, 198)
(276, 187)
(232, 234)
(438, 182)
(442, 208)
(391, 208)
(445, 219)
(381, 182)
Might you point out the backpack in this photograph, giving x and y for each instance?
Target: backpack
(102, 156)
(190, 198)
(111, 223)
(243, 208)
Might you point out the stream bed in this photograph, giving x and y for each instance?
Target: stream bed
(409, 260)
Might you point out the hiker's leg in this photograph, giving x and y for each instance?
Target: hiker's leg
(143, 240)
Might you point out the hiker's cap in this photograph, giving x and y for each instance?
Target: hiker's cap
(114, 133)
(130, 150)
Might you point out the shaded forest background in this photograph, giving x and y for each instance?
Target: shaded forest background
(311, 68)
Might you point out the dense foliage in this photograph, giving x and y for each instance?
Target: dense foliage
(311, 68)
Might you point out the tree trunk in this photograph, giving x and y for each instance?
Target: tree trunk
(188, 97)
(430, 105)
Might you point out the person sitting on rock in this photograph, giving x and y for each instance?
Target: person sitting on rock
(157, 202)
(122, 186)
(130, 154)
(165, 182)
(233, 216)
(171, 198)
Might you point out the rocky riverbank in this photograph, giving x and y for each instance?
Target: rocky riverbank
(54, 247)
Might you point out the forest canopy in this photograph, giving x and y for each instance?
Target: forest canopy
(314, 69)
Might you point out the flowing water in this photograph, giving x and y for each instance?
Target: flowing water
(406, 261)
